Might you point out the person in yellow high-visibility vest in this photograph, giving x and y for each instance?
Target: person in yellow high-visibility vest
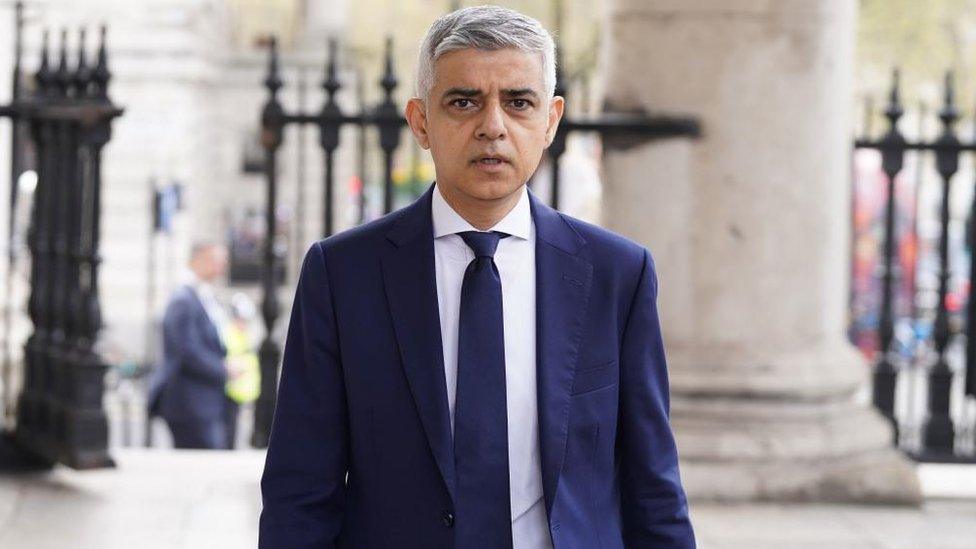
(244, 382)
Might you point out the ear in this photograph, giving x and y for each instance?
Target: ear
(556, 106)
(416, 116)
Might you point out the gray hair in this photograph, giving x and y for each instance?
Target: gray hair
(486, 28)
(202, 245)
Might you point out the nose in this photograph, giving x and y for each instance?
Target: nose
(492, 123)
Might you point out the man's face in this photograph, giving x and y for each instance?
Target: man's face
(487, 121)
(210, 263)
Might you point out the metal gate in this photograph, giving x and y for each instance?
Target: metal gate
(68, 116)
(941, 359)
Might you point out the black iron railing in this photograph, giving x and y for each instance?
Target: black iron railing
(59, 411)
(929, 434)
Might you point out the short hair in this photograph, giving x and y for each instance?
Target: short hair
(486, 28)
(200, 246)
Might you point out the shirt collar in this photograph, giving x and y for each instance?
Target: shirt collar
(518, 222)
(203, 288)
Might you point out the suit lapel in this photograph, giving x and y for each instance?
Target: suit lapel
(202, 310)
(563, 280)
(411, 288)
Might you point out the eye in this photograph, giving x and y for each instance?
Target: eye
(462, 103)
(521, 104)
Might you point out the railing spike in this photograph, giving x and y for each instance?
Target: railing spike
(101, 75)
(83, 74)
(949, 113)
(331, 83)
(44, 71)
(273, 80)
(894, 110)
(389, 80)
(63, 76)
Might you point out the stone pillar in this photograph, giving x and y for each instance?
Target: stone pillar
(749, 228)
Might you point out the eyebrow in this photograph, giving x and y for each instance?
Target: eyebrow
(518, 92)
(473, 92)
(463, 92)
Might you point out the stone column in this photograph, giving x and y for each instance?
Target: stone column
(749, 228)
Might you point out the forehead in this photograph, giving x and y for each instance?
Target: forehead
(212, 250)
(484, 69)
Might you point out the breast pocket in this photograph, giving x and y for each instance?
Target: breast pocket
(596, 377)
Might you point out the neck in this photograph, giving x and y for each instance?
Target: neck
(200, 280)
(481, 214)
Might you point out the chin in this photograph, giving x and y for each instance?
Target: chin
(490, 189)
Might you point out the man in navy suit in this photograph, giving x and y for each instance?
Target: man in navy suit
(188, 387)
(476, 370)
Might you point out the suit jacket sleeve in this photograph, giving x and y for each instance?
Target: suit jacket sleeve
(654, 507)
(186, 343)
(303, 486)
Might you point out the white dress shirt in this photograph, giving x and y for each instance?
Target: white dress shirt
(205, 292)
(515, 259)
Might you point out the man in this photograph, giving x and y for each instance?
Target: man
(188, 387)
(476, 370)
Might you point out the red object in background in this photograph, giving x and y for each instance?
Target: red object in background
(956, 300)
(869, 211)
(355, 185)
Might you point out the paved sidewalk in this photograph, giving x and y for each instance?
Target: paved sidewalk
(210, 500)
(155, 499)
(938, 525)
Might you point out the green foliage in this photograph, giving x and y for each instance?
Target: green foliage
(923, 38)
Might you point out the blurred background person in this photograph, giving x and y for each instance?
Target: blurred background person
(188, 389)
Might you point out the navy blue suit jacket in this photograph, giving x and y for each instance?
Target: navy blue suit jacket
(360, 454)
(188, 384)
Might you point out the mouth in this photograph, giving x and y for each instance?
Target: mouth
(490, 160)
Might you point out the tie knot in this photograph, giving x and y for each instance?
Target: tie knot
(482, 244)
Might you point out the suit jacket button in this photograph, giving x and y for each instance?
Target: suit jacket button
(448, 519)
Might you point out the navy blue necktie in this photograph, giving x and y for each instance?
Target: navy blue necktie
(484, 511)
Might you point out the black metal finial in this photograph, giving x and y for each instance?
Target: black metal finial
(84, 74)
(331, 83)
(892, 158)
(272, 114)
(949, 113)
(947, 160)
(44, 75)
(894, 110)
(388, 120)
(329, 121)
(63, 76)
(101, 75)
(273, 80)
(18, 46)
(389, 80)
